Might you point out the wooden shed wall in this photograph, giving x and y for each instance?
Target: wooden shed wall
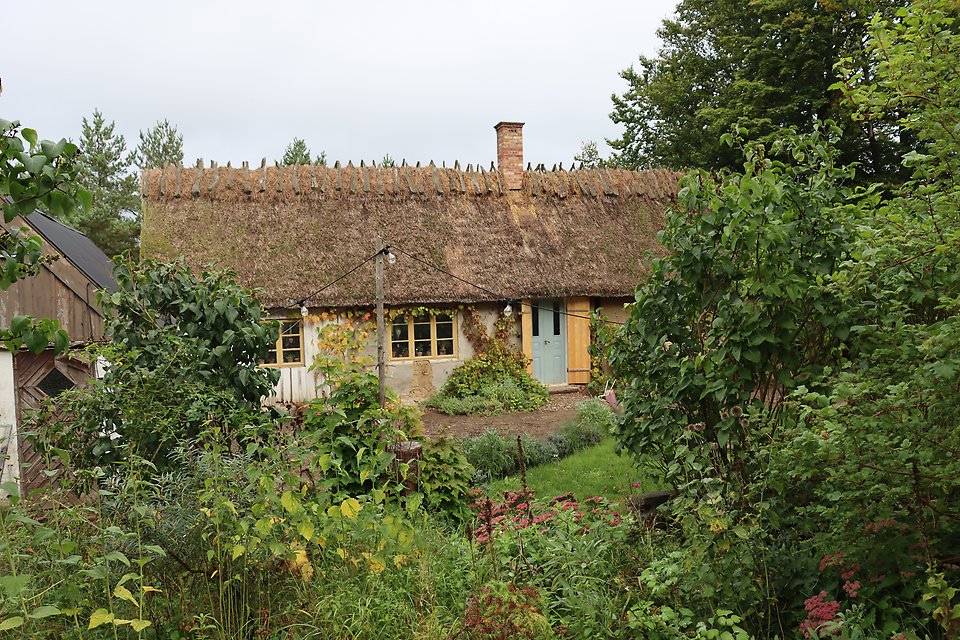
(60, 291)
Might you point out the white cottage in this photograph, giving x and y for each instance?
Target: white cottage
(553, 244)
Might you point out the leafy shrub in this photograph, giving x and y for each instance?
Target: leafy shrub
(566, 549)
(471, 405)
(444, 476)
(492, 455)
(493, 381)
(561, 444)
(537, 451)
(502, 610)
(593, 423)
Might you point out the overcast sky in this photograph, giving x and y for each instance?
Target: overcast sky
(421, 80)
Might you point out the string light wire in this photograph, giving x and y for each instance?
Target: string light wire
(494, 293)
(386, 251)
(303, 301)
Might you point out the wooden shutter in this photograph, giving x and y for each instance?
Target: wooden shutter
(578, 340)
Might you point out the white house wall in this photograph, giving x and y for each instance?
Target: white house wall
(413, 380)
(9, 460)
(299, 384)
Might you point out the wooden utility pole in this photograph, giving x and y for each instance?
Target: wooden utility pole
(381, 328)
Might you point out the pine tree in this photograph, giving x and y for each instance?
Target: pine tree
(113, 219)
(297, 152)
(589, 156)
(160, 146)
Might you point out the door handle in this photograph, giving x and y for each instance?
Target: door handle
(546, 342)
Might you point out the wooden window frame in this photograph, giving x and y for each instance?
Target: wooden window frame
(411, 347)
(279, 350)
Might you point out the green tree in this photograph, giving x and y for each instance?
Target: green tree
(794, 364)
(297, 152)
(34, 174)
(763, 65)
(879, 442)
(160, 146)
(113, 220)
(185, 351)
(589, 156)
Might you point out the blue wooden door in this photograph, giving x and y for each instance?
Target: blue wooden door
(549, 342)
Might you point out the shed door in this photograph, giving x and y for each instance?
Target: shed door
(549, 342)
(36, 377)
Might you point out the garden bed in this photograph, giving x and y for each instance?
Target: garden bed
(561, 408)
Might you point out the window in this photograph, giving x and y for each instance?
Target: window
(424, 336)
(289, 348)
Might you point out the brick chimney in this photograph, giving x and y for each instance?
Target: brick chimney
(510, 153)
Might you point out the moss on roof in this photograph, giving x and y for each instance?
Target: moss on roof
(290, 230)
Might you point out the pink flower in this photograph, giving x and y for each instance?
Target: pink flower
(849, 572)
(819, 613)
(852, 588)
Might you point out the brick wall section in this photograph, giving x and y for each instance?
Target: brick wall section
(510, 153)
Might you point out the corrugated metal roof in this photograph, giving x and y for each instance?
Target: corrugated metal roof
(77, 248)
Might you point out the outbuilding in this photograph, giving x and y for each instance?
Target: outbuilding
(65, 288)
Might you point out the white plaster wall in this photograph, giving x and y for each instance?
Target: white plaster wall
(9, 461)
(401, 374)
(299, 384)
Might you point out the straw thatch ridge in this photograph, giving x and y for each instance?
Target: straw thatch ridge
(290, 230)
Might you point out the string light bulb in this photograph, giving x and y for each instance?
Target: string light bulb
(508, 310)
(391, 257)
(303, 309)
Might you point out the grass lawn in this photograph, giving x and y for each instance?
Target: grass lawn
(597, 471)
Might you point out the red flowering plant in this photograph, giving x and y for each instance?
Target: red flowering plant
(529, 534)
(520, 510)
(574, 552)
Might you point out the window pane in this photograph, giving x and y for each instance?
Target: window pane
(424, 319)
(556, 318)
(291, 356)
(536, 321)
(421, 331)
(444, 347)
(271, 357)
(291, 342)
(400, 332)
(444, 329)
(401, 350)
(290, 327)
(422, 348)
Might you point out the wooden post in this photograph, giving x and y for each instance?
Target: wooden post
(381, 328)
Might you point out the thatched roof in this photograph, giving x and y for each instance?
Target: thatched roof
(291, 230)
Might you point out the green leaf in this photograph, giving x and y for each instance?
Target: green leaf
(30, 135)
(13, 585)
(20, 323)
(11, 623)
(288, 502)
(45, 611)
(306, 529)
(100, 617)
(33, 164)
(124, 594)
(350, 508)
(52, 149)
(140, 625)
(116, 555)
(97, 573)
